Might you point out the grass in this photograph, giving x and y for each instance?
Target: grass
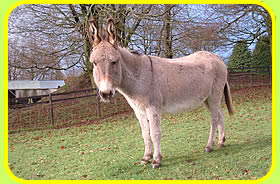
(112, 148)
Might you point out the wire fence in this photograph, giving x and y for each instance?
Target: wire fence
(62, 110)
(82, 107)
(239, 78)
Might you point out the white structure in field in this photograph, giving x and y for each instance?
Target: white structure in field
(27, 88)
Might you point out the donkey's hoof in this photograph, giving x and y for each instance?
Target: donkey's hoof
(208, 150)
(144, 161)
(221, 145)
(155, 164)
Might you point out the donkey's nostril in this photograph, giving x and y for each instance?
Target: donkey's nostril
(106, 95)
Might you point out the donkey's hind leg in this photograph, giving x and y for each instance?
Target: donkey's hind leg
(222, 137)
(217, 120)
(213, 128)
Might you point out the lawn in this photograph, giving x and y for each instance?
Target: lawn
(113, 147)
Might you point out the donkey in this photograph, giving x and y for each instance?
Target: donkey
(153, 85)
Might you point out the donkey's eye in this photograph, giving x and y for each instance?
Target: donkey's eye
(114, 62)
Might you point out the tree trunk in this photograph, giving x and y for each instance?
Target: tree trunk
(88, 64)
(120, 18)
(91, 11)
(167, 32)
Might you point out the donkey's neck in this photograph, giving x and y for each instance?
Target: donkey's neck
(132, 71)
(131, 63)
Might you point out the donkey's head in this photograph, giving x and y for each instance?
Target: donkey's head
(106, 60)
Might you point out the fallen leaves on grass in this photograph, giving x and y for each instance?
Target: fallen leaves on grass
(104, 146)
(35, 138)
(246, 172)
(11, 148)
(34, 176)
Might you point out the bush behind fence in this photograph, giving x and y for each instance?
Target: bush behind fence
(83, 106)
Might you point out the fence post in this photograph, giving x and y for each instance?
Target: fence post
(98, 104)
(228, 79)
(51, 109)
(270, 75)
(251, 82)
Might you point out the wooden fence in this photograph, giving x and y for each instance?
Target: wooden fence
(83, 106)
(62, 110)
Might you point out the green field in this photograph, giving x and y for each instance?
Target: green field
(113, 147)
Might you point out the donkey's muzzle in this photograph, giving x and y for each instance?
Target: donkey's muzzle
(107, 96)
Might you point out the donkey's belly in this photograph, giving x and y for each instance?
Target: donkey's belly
(182, 105)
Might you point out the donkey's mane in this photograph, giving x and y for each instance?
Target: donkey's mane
(136, 52)
(130, 52)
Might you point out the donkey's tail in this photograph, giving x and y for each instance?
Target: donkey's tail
(228, 99)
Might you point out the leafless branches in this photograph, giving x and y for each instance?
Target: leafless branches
(45, 40)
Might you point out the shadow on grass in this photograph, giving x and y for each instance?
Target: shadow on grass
(230, 149)
(258, 143)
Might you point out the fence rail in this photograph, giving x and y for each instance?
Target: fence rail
(249, 77)
(62, 109)
(83, 106)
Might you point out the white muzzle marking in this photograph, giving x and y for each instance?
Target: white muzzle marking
(105, 86)
(106, 90)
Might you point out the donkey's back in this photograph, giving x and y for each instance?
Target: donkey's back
(185, 83)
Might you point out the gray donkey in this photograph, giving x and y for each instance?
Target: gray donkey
(153, 85)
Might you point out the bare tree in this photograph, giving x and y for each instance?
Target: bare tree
(41, 36)
(243, 22)
(45, 40)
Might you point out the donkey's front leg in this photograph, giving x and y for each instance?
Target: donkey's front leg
(153, 115)
(144, 123)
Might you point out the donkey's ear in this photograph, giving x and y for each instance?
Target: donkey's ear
(111, 30)
(93, 36)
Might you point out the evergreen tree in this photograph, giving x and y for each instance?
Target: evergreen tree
(241, 56)
(262, 53)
